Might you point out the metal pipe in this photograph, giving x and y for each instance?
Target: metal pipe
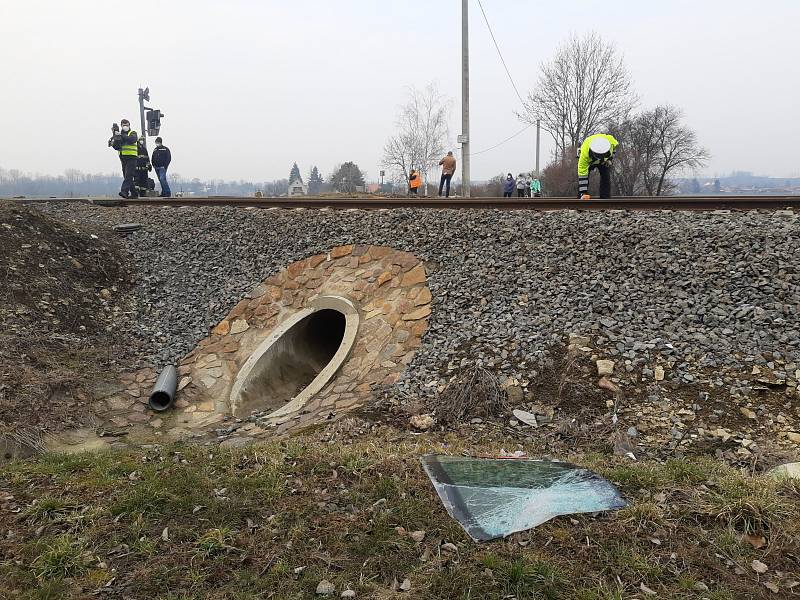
(163, 394)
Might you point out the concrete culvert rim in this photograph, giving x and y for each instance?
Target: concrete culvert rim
(297, 360)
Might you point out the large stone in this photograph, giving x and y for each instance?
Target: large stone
(794, 437)
(378, 252)
(239, 326)
(414, 277)
(296, 268)
(418, 314)
(424, 297)
(383, 278)
(325, 587)
(605, 367)
(786, 471)
(419, 329)
(747, 413)
(341, 251)
(422, 422)
(316, 260)
(222, 328)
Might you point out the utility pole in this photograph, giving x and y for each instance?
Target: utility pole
(464, 137)
(538, 143)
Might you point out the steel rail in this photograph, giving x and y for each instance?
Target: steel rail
(701, 203)
(537, 204)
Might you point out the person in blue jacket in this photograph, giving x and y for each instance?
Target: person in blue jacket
(509, 185)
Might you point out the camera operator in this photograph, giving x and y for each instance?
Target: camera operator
(124, 141)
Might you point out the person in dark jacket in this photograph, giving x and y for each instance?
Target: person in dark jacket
(508, 186)
(142, 167)
(124, 142)
(161, 159)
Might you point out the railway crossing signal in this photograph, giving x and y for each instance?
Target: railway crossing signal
(153, 116)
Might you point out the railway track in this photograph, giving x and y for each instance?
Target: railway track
(699, 203)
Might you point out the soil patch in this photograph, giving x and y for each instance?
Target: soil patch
(61, 303)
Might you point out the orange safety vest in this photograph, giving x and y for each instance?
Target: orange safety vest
(415, 183)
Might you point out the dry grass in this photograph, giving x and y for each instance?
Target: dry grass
(474, 392)
(273, 520)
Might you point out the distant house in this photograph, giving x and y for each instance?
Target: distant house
(298, 188)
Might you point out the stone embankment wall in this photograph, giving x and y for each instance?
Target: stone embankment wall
(674, 298)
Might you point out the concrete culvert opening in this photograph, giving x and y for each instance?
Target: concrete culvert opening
(300, 354)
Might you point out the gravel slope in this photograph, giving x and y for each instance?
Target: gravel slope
(709, 290)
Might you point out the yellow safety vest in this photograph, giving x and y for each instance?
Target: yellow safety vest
(129, 149)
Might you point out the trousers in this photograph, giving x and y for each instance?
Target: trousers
(445, 181)
(605, 179)
(128, 176)
(162, 179)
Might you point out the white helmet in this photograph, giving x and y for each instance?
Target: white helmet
(600, 147)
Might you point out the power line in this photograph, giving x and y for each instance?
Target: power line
(508, 139)
(500, 54)
(510, 78)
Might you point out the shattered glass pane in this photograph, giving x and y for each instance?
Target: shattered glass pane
(493, 498)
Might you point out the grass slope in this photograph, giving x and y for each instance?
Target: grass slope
(272, 521)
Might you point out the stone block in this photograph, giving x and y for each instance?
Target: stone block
(239, 309)
(379, 252)
(296, 268)
(267, 310)
(257, 291)
(383, 278)
(316, 260)
(239, 326)
(222, 328)
(414, 277)
(605, 367)
(419, 329)
(341, 251)
(424, 297)
(278, 279)
(418, 314)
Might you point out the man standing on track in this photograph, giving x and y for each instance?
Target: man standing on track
(597, 152)
(124, 142)
(161, 158)
(448, 164)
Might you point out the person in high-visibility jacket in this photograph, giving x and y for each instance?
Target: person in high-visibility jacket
(124, 141)
(414, 181)
(597, 152)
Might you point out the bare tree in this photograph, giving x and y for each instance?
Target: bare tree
(583, 89)
(422, 134)
(655, 145)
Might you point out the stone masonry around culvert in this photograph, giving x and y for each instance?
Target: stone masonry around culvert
(387, 287)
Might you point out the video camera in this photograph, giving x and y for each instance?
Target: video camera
(115, 141)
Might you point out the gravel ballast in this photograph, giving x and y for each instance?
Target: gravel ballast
(711, 291)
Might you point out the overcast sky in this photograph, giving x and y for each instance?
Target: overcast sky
(248, 86)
